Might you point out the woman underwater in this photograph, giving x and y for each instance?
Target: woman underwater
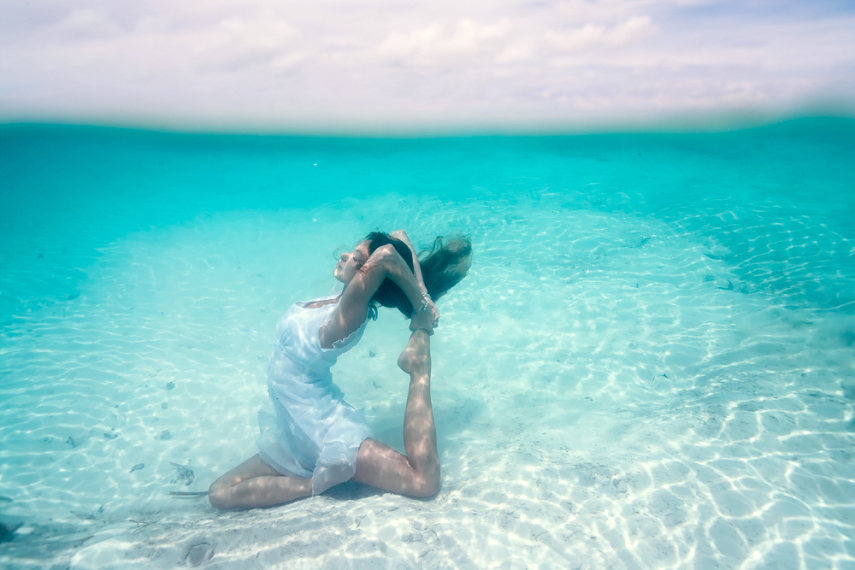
(313, 439)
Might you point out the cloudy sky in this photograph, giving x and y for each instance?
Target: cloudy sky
(437, 64)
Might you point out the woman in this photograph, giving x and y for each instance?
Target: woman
(313, 439)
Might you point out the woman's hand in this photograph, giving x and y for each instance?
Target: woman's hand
(434, 312)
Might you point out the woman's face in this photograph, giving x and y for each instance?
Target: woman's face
(350, 262)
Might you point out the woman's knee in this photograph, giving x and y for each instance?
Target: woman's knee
(218, 496)
(425, 487)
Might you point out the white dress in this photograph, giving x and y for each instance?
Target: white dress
(307, 429)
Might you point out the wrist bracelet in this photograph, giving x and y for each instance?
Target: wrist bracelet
(423, 306)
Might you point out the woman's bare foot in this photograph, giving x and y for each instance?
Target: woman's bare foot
(416, 356)
(405, 360)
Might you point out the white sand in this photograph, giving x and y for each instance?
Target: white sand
(608, 391)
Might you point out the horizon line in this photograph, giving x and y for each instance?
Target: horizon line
(670, 123)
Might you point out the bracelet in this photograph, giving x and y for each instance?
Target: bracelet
(423, 306)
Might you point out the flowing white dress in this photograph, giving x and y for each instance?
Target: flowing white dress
(307, 429)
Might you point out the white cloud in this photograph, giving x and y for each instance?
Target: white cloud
(631, 30)
(429, 44)
(378, 63)
(288, 62)
(87, 23)
(239, 42)
(519, 51)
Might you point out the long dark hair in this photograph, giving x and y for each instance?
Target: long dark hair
(443, 266)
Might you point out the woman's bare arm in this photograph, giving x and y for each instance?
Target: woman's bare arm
(429, 305)
(353, 307)
(417, 269)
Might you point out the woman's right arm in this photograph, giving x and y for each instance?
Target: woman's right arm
(353, 307)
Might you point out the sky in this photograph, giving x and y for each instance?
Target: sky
(352, 65)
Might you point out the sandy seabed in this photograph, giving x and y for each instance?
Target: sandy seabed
(611, 390)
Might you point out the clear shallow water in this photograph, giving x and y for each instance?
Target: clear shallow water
(650, 365)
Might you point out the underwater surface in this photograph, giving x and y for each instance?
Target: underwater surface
(650, 365)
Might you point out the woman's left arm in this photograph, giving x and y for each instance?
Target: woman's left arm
(417, 268)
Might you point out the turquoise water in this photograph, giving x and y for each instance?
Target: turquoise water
(650, 364)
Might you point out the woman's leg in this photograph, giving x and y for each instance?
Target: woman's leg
(254, 484)
(417, 473)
